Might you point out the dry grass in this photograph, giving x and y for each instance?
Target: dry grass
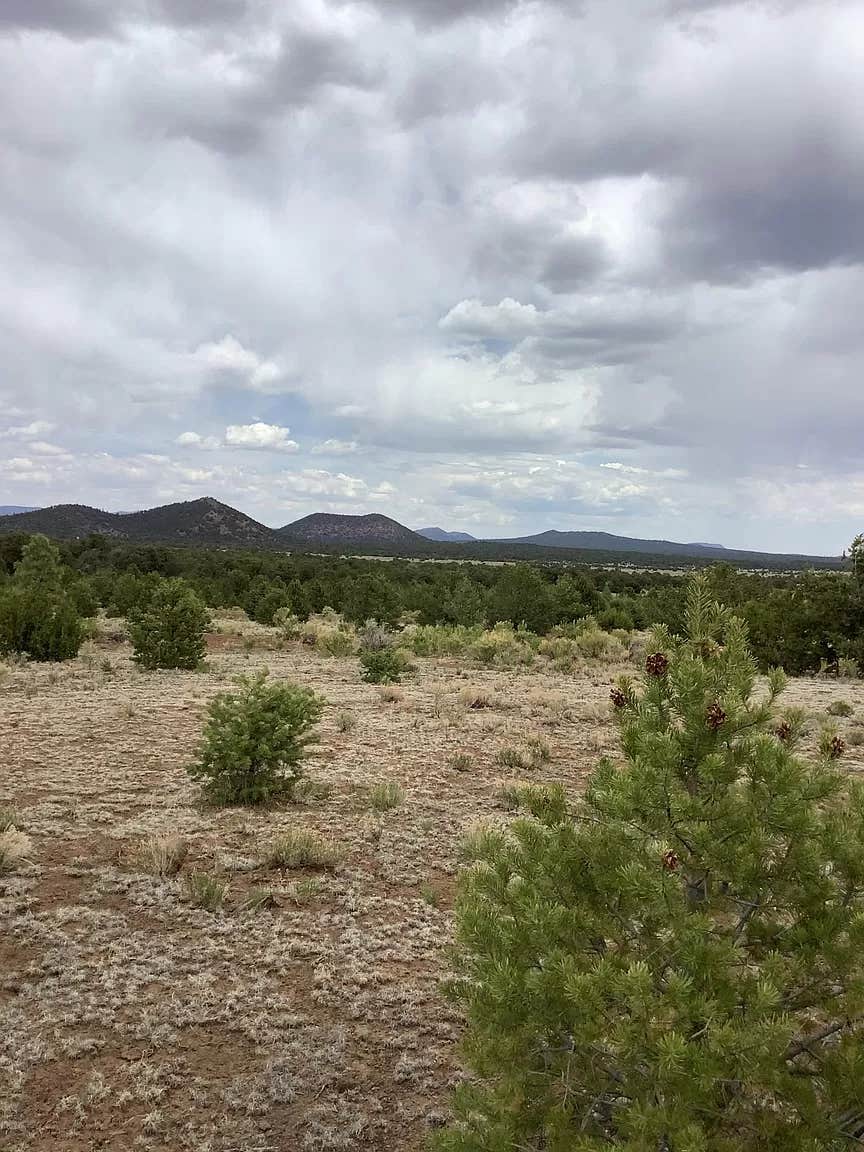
(301, 848)
(164, 855)
(305, 1012)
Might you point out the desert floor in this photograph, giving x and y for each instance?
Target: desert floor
(130, 1019)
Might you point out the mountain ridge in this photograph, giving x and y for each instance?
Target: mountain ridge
(442, 536)
(209, 522)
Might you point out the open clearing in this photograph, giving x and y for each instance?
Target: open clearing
(130, 1019)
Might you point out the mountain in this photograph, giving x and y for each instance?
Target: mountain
(608, 542)
(331, 530)
(14, 509)
(440, 535)
(205, 521)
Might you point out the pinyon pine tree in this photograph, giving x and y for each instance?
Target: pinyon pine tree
(676, 963)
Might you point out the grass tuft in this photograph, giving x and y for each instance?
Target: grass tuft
(301, 848)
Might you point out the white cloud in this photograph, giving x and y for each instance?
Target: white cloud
(335, 448)
(196, 440)
(27, 431)
(265, 437)
(259, 435)
(230, 357)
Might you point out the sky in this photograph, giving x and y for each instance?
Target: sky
(492, 265)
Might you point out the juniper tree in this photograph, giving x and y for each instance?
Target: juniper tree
(39, 617)
(676, 962)
(168, 631)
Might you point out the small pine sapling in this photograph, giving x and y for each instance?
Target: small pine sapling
(254, 741)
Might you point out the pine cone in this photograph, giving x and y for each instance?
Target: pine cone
(657, 665)
(836, 747)
(715, 717)
(671, 860)
(783, 732)
(618, 698)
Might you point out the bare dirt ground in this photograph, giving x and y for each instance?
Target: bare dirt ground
(130, 1019)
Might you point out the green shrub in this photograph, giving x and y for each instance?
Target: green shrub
(254, 741)
(847, 668)
(39, 617)
(674, 963)
(301, 848)
(383, 666)
(442, 639)
(168, 632)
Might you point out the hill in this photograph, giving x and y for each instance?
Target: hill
(441, 535)
(205, 521)
(330, 530)
(608, 542)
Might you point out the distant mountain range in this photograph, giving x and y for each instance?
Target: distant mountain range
(606, 542)
(212, 523)
(441, 536)
(13, 509)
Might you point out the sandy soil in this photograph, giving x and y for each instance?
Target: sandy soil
(130, 1019)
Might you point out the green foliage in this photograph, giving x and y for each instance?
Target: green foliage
(254, 741)
(383, 666)
(168, 632)
(39, 617)
(675, 964)
(442, 639)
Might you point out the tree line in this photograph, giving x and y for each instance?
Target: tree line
(804, 621)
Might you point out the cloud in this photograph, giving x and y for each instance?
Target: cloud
(335, 448)
(229, 357)
(258, 436)
(453, 240)
(269, 437)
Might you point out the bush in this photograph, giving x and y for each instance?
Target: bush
(168, 632)
(375, 637)
(254, 741)
(39, 618)
(442, 639)
(676, 962)
(383, 666)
